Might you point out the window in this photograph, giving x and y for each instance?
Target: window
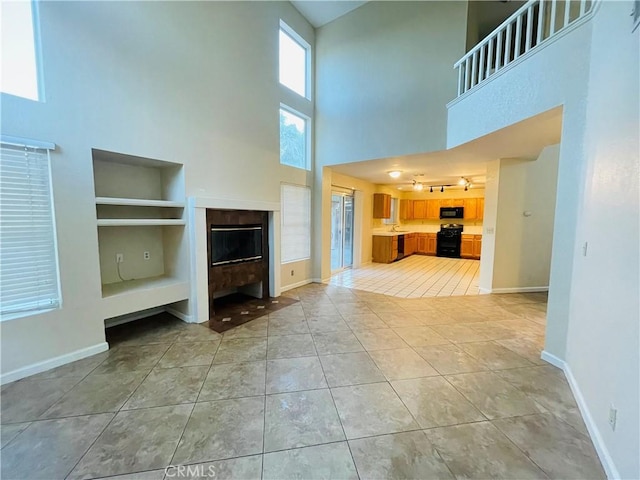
(296, 223)
(393, 219)
(294, 148)
(28, 253)
(18, 39)
(294, 61)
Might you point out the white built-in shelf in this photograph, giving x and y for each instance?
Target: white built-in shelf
(142, 284)
(139, 222)
(138, 202)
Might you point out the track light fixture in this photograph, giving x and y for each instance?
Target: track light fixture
(430, 189)
(442, 188)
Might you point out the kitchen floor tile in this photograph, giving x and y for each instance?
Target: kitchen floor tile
(318, 462)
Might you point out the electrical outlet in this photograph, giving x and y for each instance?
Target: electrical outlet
(147, 255)
(292, 273)
(119, 257)
(613, 416)
(490, 230)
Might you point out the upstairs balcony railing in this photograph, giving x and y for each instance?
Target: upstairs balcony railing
(533, 24)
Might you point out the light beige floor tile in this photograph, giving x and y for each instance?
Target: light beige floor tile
(300, 419)
(494, 397)
(287, 326)
(480, 450)
(234, 380)
(554, 446)
(148, 475)
(435, 403)
(494, 356)
(331, 323)
(190, 332)
(189, 354)
(350, 369)
(10, 431)
(294, 374)
(373, 409)
(238, 350)
(352, 308)
(80, 368)
(398, 456)
(401, 363)
(421, 336)
(336, 342)
(320, 310)
(135, 441)
(450, 359)
(242, 468)
(460, 333)
(168, 386)
(133, 358)
(290, 346)
(51, 448)
(364, 321)
(318, 462)
(380, 339)
(222, 429)
(254, 328)
(400, 319)
(528, 348)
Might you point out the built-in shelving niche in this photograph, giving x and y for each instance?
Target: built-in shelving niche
(140, 207)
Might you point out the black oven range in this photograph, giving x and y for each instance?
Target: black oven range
(449, 238)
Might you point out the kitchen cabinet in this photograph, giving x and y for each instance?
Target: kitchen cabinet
(470, 208)
(432, 242)
(422, 243)
(480, 209)
(385, 248)
(466, 246)
(410, 246)
(406, 209)
(470, 246)
(419, 209)
(446, 202)
(477, 246)
(381, 205)
(433, 209)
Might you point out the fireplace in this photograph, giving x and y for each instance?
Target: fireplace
(237, 253)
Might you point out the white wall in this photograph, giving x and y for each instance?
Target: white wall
(602, 340)
(522, 255)
(189, 82)
(384, 77)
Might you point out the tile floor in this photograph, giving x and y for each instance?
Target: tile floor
(344, 384)
(414, 277)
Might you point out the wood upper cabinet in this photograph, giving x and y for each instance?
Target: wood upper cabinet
(457, 202)
(480, 209)
(477, 246)
(406, 209)
(432, 242)
(446, 202)
(433, 209)
(470, 208)
(419, 209)
(466, 246)
(381, 205)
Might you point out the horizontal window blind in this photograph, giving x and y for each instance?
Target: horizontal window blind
(28, 257)
(296, 223)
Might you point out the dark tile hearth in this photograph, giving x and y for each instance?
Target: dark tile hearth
(236, 309)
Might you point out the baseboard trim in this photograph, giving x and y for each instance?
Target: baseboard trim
(45, 365)
(484, 291)
(182, 316)
(295, 285)
(520, 290)
(601, 449)
(132, 317)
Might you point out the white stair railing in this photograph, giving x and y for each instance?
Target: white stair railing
(531, 25)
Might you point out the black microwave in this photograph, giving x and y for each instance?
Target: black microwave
(451, 212)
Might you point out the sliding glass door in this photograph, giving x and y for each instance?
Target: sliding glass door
(341, 231)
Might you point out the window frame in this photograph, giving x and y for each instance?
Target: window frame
(307, 136)
(47, 147)
(284, 185)
(291, 33)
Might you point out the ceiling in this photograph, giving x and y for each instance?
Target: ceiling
(320, 13)
(525, 140)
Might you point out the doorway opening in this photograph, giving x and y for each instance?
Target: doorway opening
(341, 231)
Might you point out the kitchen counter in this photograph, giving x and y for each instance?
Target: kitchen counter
(468, 229)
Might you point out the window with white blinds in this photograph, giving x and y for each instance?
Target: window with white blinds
(28, 254)
(296, 223)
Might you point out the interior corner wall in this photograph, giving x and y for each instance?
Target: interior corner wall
(487, 254)
(603, 351)
(524, 222)
(384, 78)
(190, 82)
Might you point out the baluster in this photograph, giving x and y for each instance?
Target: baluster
(498, 49)
(567, 12)
(516, 45)
(481, 67)
(583, 6)
(467, 77)
(552, 20)
(459, 79)
(474, 68)
(490, 56)
(540, 21)
(507, 46)
(527, 40)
